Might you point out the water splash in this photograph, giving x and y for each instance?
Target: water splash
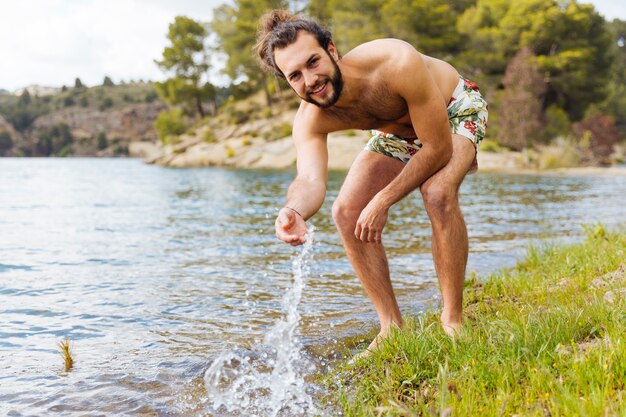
(272, 382)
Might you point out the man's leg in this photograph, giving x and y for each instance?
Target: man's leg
(450, 244)
(370, 173)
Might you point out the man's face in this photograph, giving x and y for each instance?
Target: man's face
(311, 71)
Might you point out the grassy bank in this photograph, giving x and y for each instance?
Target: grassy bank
(546, 338)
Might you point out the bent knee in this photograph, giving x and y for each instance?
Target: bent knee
(439, 200)
(345, 215)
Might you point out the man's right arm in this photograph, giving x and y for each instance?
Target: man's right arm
(307, 191)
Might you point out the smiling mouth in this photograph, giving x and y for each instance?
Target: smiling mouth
(319, 89)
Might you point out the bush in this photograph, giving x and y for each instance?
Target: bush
(66, 151)
(68, 101)
(6, 142)
(51, 141)
(102, 141)
(490, 145)
(106, 104)
(562, 153)
(170, 123)
(602, 135)
(208, 136)
(120, 150)
(151, 96)
(557, 123)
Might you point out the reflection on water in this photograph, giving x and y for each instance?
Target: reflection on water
(153, 272)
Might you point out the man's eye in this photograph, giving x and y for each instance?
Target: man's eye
(314, 62)
(294, 77)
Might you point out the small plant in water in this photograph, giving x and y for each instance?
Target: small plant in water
(66, 351)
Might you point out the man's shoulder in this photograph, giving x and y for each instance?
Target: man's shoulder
(311, 119)
(381, 49)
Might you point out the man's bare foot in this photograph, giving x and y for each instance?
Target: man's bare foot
(451, 329)
(370, 349)
(380, 337)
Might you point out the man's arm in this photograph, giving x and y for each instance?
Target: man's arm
(307, 191)
(429, 117)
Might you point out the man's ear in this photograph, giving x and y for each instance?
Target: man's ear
(332, 50)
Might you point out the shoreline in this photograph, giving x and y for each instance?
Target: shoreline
(343, 147)
(539, 339)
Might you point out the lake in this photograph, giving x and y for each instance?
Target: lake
(156, 274)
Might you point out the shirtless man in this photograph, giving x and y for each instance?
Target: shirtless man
(388, 87)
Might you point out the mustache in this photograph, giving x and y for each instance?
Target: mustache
(316, 86)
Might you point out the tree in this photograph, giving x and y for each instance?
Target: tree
(170, 123)
(615, 105)
(108, 82)
(570, 40)
(236, 28)
(54, 139)
(186, 57)
(101, 140)
(25, 98)
(78, 83)
(520, 121)
(429, 25)
(601, 134)
(6, 142)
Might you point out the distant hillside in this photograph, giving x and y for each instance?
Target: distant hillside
(96, 121)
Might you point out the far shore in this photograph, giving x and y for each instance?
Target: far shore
(343, 147)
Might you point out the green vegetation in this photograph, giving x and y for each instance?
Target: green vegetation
(101, 140)
(51, 141)
(170, 124)
(187, 57)
(543, 338)
(549, 69)
(552, 71)
(6, 141)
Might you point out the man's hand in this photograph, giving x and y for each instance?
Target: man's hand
(369, 227)
(290, 227)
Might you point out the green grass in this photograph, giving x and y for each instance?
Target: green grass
(539, 339)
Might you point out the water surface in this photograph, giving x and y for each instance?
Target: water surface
(153, 272)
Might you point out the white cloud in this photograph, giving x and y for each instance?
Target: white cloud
(54, 41)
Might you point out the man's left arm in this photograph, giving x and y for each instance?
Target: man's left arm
(429, 117)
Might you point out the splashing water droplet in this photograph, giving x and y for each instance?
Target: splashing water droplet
(270, 383)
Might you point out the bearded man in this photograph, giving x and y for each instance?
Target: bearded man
(426, 123)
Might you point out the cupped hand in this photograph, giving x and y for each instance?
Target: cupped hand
(371, 222)
(290, 227)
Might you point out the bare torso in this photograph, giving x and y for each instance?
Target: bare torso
(377, 107)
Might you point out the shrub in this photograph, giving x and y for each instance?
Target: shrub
(208, 136)
(106, 104)
(490, 145)
(6, 142)
(602, 135)
(562, 154)
(68, 101)
(66, 151)
(557, 123)
(102, 141)
(170, 123)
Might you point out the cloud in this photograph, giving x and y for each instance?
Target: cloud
(54, 41)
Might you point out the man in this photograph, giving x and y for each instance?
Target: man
(426, 122)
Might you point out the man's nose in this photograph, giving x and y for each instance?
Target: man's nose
(310, 79)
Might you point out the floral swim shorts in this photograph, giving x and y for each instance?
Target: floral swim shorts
(467, 112)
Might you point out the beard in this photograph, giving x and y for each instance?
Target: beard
(335, 80)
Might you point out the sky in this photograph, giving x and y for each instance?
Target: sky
(52, 42)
